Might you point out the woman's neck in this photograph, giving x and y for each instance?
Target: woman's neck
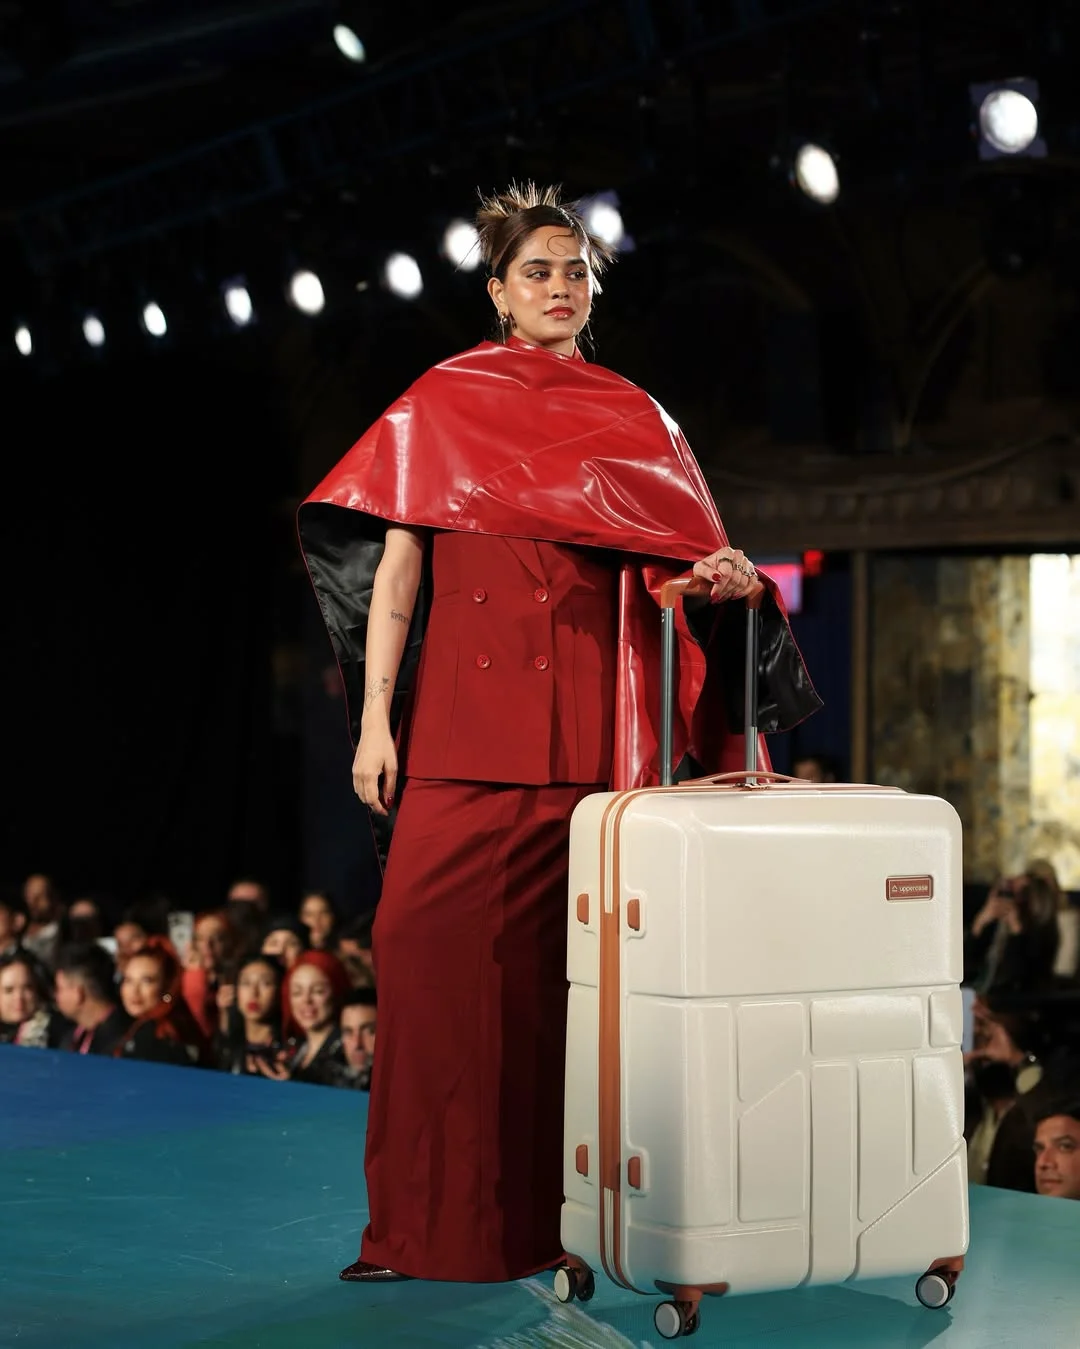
(315, 1039)
(258, 1032)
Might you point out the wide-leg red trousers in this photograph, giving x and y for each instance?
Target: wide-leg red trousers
(465, 1127)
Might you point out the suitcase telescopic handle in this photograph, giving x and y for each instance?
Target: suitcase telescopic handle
(670, 592)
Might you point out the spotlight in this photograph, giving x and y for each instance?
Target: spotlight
(93, 330)
(153, 319)
(461, 245)
(306, 292)
(1007, 117)
(237, 301)
(402, 276)
(23, 340)
(603, 218)
(348, 43)
(815, 173)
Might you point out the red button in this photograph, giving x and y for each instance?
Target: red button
(482, 662)
(479, 596)
(540, 596)
(541, 662)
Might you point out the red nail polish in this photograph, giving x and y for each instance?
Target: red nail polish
(716, 576)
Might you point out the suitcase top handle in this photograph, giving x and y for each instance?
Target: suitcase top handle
(670, 591)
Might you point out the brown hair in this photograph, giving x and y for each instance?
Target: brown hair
(506, 219)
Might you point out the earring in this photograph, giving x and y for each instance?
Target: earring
(504, 324)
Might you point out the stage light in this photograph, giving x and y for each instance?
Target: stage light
(348, 43)
(237, 301)
(816, 174)
(23, 341)
(1007, 119)
(93, 331)
(402, 276)
(153, 319)
(603, 218)
(306, 292)
(461, 245)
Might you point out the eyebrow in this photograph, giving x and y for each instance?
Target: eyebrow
(546, 262)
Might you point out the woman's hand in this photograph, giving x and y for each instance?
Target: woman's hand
(730, 572)
(277, 1069)
(375, 759)
(225, 997)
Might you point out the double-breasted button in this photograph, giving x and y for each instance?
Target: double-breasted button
(482, 662)
(479, 595)
(540, 595)
(541, 662)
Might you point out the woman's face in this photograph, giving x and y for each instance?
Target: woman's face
(142, 986)
(130, 939)
(211, 941)
(18, 996)
(311, 998)
(286, 946)
(548, 289)
(256, 990)
(317, 916)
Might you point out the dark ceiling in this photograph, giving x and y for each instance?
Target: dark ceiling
(139, 136)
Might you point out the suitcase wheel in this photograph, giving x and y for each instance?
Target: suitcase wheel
(935, 1290)
(675, 1319)
(570, 1283)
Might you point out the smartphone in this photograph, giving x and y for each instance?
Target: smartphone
(181, 932)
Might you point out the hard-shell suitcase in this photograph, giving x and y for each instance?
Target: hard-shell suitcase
(764, 1082)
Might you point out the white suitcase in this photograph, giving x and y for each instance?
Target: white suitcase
(764, 1082)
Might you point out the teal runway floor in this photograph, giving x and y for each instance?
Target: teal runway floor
(145, 1207)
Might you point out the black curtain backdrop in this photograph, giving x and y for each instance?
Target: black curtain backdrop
(143, 551)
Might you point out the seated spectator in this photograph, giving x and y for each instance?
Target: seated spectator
(314, 991)
(999, 1071)
(86, 995)
(285, 938)
(253, 1024)
(162, 1028)
(26, 1014)
(208, 978)
(319, 914)
(354, 948)
(1012, 942)
(1067, 960)
(12, 920)
(815, 768)
(1057, 1149)
(83, 921)
(130, 936)
(357, 1023)
(45, 908)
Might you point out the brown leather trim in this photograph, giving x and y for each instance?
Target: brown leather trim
(583, 909)
(581, 1159)
(633, 915)
(633, 1172)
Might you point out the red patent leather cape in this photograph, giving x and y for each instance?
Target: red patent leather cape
(517, 441)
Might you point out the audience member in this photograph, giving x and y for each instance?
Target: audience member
(815, 767)
(1067, 960)
(357, 1023)
(1012, 942)
(44, 908)
(253, 1024)
(207, 981)
(26, 1013)
(86, 995)
(12, 920)
(1057, 1149)
(320, 915)
(285, 938)
(999, 1071)
(162, 1028)
(354, 948)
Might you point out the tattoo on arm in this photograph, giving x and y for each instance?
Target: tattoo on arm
(375, 690)
(400, 617)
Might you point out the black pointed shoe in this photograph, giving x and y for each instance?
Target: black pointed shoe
(362, 1272)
